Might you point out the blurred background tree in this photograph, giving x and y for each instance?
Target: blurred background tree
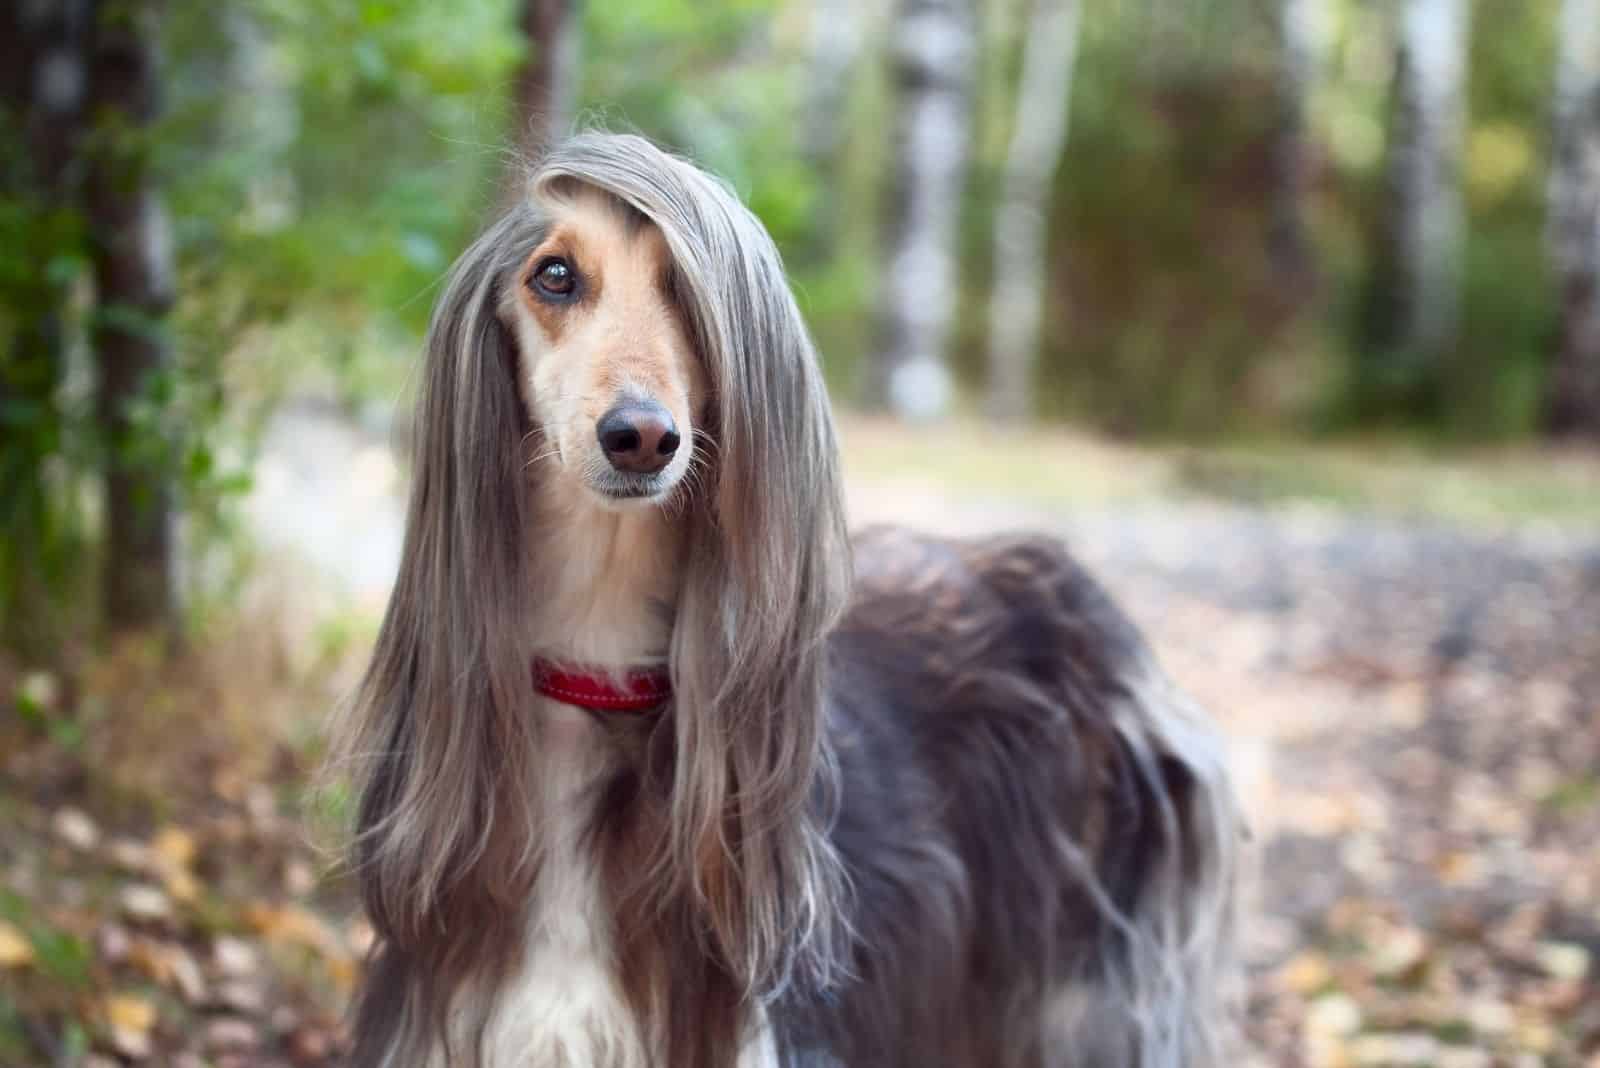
(1287, 218)
(130, 248)
(1414, 289)
(1038, 135)
(931, 61)
(548, 78)
(1572, 391)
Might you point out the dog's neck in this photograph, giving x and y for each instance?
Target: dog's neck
(605, 582)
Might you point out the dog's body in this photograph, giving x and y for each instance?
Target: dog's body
(961, 821)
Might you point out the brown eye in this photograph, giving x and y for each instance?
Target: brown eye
(554, 279)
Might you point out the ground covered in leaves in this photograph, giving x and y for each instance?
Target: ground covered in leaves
(1413, 706)
(1416, 721)
(164, 897)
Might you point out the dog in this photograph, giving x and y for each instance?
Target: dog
(656, 766)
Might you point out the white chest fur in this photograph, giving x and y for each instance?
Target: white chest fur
(564, 1007)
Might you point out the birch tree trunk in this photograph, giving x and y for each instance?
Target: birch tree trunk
(131, 249)
(547, 82)
(835, 40)
(1422, 238)
(932, 75)
(1301, 25)
(1021, 226)
(835, 33)
(1573, 391)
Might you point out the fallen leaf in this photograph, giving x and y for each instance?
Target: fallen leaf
(181, 885)
(1564, 960)
(262, 806)
(1464, 1057)
(15, 949)
(1334, 1015)
(175, 846)
(234, 956)
(187, 977)
(228, 784)
(130, 1011)
(310, 1045)
(1394, 1049)
(74, 827)
(293, 924)
(130, 1018)
(344, 972)
(1490, 1017)
(129, 854)
(1305, 973)
(41, 690)
(1535, 1035)
(298, 878)
(231, 1033)
(143, 902)
(171, 965)
(241, 995)
(112, 943)
(1399, 952)
(150, 960)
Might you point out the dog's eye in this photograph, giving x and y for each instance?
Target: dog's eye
(554, 278)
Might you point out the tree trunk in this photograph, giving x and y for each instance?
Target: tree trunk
(835, 31)
(1572, 403)
(1300, 31)
(1021, 226)
(43, 89)
(1417, 313)
(43, 85)
(131, 248)
(835, 40)
(932, 75)
(547, 82)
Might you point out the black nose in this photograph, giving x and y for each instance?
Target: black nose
(638, 436)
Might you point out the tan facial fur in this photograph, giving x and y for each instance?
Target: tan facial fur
(619, 338)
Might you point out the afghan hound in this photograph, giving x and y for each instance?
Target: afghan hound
(650, 774)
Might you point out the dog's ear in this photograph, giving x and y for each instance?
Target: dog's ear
(778, 495)
(439, 745)
(782, 572)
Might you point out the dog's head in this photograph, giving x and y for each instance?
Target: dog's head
(606, 368)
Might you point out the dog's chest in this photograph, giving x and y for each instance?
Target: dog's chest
(564, 1007)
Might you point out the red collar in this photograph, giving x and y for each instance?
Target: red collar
(641, 689)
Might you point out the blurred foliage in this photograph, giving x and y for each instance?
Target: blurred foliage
(1166, 316)
(1508, 297)
(41, 419)
(1492, 384)
(324, 159)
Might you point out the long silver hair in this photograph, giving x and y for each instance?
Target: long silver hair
(447, 836)
(728, 888)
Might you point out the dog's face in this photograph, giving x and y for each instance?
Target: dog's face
(606, 368)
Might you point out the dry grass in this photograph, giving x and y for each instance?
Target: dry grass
(1498, 487)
